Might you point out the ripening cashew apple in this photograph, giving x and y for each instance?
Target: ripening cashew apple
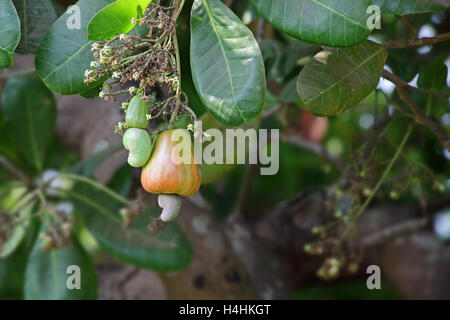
(139, 145)
(136, 116)
(171, 168)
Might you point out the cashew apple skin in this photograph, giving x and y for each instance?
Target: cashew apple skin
(139, 145)
(136, 116)
(163, 175)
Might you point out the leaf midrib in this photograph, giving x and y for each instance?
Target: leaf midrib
(210, 14)
(340, 14)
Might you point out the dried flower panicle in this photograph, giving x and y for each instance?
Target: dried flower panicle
(149, 60)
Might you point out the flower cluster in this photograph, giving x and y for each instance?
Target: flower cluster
(146, 57)
(59, 227)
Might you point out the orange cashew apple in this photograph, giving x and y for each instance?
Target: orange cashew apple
(171, 168)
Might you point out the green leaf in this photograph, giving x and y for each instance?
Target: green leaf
(409, 6)
(227, 66)
(168, 250)
(13, 197)
(9, 33)
(30, 109)
(122, 180)
(115, 19)
(434, 76)
(88, 166)
(46, 274)
(36, 16)
(12, 269)
(327, 22)
(337, 79)
(15, 235)
(64, 54)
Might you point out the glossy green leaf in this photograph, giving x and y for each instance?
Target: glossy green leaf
(412, 6)
(168, 250)
(337, 79)
(47, 275)
(30, 109)
(65, 52)
(434, 76)
(115, 19)
(122, 180)
(13, 196)
(36, 16)
(227, 66)
(9, 33)
(334, 23)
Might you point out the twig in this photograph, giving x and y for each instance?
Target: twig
(272, 111)
(17, 73)
(399, 82)
(15, 171)
(422, 119)
(260, 30)
(408, 25)
(418, 42)
(316, 149)
(393, 232)
(383, 177)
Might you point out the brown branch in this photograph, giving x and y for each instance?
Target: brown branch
(392, 232)
(418, 42)
(316, 149)
(399, 82)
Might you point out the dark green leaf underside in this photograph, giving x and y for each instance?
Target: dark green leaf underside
(30, 109)
(337, 79)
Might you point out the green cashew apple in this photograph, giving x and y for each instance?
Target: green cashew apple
(136, 116)
(139, 145)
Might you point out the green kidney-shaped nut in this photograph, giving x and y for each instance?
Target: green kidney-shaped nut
(139, 145)
(136, 116)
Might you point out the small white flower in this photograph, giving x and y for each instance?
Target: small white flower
(123, 37)
(94, 64)
(190, 127)
(148, 116)
(116, 74)
(132, 90)
(133, 20)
